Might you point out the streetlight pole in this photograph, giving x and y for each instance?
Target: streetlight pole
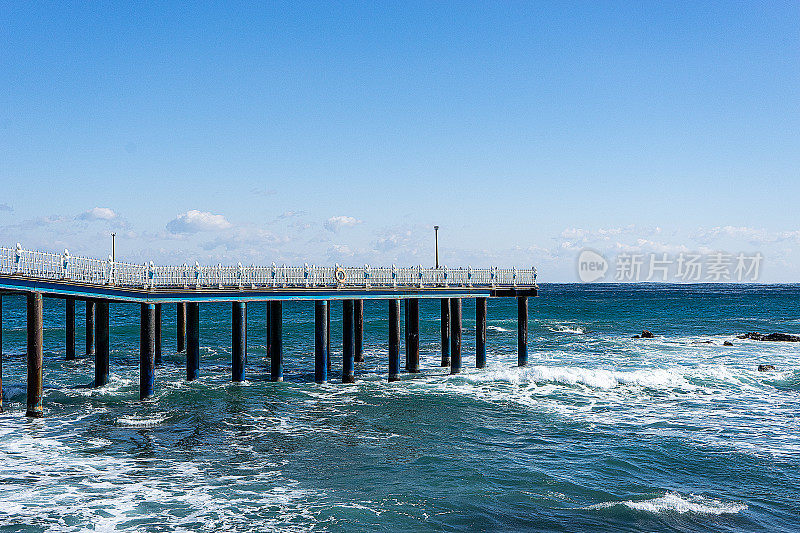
(436, 232)
(113, 248)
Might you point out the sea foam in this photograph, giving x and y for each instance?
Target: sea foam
(675, 503)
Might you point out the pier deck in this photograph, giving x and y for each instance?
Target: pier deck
(102, 282)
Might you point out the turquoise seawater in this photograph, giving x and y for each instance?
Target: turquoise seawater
(601, 432)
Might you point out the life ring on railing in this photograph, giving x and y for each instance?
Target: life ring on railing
(341, 275)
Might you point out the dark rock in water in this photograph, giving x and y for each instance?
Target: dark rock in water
(647, 335)
(753, 336)
(782, 337)
(703, 342)
(765, 368)
(636, 337)
(727, 343)
(775, 337)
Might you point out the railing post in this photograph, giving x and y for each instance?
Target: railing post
(65, 264)
(18, 258)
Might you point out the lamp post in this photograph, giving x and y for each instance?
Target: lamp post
(113, 248)
(436, 232)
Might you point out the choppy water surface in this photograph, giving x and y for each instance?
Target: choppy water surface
(601, 431)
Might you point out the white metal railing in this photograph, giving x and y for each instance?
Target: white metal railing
(44, 265)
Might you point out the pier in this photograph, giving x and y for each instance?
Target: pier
(101, 283)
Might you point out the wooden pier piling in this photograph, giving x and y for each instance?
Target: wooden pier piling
(101, 355)
(90, 327)
(1, 353)
(455, 335)
(394, 339)
(158, 334)
(412, 335)
(522, 330)
(328, 332)
(358, 317)
(69, 328)
(180, 321)
(239, 345)
(276, 341)
(445, 331)
(34, 390)
(480, 332)
(192, 341)
(348, 346)
(404, 304)
(147, 351)
(320, 341)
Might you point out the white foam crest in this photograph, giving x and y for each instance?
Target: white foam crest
(672, 502)
(129, 421)
(498, 328)
(655, 378)
(566, 328)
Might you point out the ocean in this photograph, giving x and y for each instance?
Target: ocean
(602, 432)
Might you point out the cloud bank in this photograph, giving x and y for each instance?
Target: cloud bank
(195, 221)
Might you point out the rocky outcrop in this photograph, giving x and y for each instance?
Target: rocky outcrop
(727, 343)
(765, 368)
(775, 337)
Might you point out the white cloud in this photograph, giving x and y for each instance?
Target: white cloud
(98, 213)
(6, 207)
(194, 221)
(751, 235)
(336, 223)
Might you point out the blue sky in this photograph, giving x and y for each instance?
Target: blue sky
(343, 132)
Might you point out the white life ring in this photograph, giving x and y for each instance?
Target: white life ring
(341, 275)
